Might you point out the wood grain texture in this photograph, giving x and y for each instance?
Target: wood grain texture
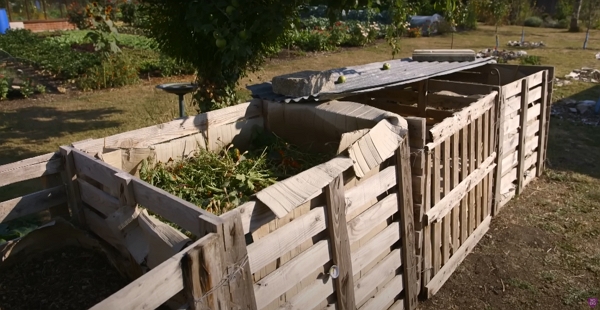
(407, 230)
(366, 287)
(97, 198)
(441, 277)
(202, 273)
(72, 185)
(30, 168)
(544, 106)
(499, 145)
(32, 203)
(340, 244)
(153, 288)
(522, 134)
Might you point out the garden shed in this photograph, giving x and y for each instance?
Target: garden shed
(408, 191)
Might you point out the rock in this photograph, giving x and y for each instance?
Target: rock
(572, 75)
(569, 101)
(585, 105)
(567, 82)
(598, 56)
(61, 90)
(586, 69)
(303, 83)
(594, 81)
(573, 110)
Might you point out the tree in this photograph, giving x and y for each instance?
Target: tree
(225, 39)
(497, 10)
(591, 15)
(574, 27)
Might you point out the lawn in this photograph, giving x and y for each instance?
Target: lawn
(543, 251)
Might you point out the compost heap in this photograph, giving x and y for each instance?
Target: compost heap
(221, 181)
(69, 278)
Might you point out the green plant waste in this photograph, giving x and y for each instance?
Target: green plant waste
(220, 181)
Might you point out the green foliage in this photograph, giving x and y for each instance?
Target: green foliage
(563, 10)
(533, 21)
(414, 32)
(400, 12)
(220, 181)
(531, 60)
(468, 18)
(103, 33)
(44, 54)
(116, 70)
(76, 15)
(5, 83)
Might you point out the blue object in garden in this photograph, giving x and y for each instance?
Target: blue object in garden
(4, 23)
(587, 37)
(37, 5)
(597, 107)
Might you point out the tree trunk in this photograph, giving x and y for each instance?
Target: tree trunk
(574, 27)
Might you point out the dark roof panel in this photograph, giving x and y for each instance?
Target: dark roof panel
(371, 77)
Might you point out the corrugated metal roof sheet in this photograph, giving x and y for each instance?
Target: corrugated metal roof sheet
(370, 77)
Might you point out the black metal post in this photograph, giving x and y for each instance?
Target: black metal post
(181, 109)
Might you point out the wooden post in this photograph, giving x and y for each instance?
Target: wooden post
(337, 227)
(499, 145)
(522, 134)
(70, 178)
(202, 274)
(217, 273)
(422, 103)
(544, 105)
(407, 230)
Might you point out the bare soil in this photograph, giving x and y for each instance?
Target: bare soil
(70, 278)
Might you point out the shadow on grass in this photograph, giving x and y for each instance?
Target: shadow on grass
(574, 146)
(21, 128)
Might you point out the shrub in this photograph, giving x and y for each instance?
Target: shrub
(531, 60)
(314, 41)
(533, 21)
(77, 16)
(115, 71)
(562, 24)
(132, 14)
(5, 83)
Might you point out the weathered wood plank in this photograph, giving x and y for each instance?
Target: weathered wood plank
(153, 288)
(255, 214)
(97, 198)
(202, 271)
(455, 213)
(190, 217)
(464, 173)
(441, 277)
(499, 145)
(310, 297)
(72, 186)
(451, 125)
(436, 231)
(407, 230)
(544, 106)
(340, 244)
(366, 254)
(95, 169)
(30, 168)
(462, 88)
(386, 296)
(288, 237)
(446, 172)
(366, 191)
(522, 134)
(366, 286)
(472, 166)
(427, 266)
(361, 225)
(291, 273)
(284, 196)
(32, 203)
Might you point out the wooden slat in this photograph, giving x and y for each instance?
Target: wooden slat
(440, 278)
(437, 213)
(373, 148)
(534, 79)
(95, 169)
(522, 134)
(310, 297)
(427, 266)
(472, 166)
(291, 273)
(464, 173)
(375, 277)
(486, 153)
(96, 198)
(512, 89)
(153, 288)
(455, 213)
(366, 254)
(340, 244)
(544, 106)
(436, 233)
(190, 217)
(72, 186)
(446, 151)
(288, 237)
(386, 296)
(368, 190)
(30, 168)
(499, 145)
(362, 225)
(462, 88)
(32, 203)
(407, 231)
(255, 214)
(451, 125)
(284, 196)
(479, 159)
(145, 137)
